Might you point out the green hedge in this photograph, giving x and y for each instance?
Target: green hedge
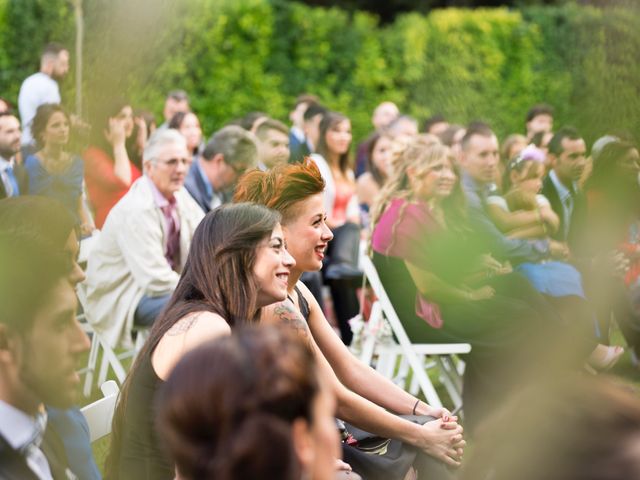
(234, 56)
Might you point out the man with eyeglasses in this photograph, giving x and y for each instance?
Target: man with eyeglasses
(213, 176)
(138, 257)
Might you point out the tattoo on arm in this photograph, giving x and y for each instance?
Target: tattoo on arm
(291, 317)
(183, 325)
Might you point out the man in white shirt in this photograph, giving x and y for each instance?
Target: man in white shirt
(176, 101)
(40, 341)
(42, 87)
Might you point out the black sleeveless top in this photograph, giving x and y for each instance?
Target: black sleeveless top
(141, 456)
(303, 304)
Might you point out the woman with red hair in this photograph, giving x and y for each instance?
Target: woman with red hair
(364, 397)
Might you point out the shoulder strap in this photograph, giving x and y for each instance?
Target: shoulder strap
(304, 305)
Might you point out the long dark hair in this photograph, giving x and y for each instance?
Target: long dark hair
(217, 277)
(99, 118)
(329, 121)
(377, 174)
(609, 176)
(226, 410)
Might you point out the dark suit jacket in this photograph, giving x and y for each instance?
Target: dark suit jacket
(13, 465)
(578, 215)
(299, 150)
(23, 181)
(194, 183)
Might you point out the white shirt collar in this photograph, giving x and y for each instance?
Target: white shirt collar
(16, 426)
(563, 192)
(4, 163)
(298, 133)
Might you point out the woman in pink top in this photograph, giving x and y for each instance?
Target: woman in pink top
(109, 171)
(442, 287)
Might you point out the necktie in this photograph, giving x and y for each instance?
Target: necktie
(173, 236)
(31, 448)
(568, 203)
(11, 184)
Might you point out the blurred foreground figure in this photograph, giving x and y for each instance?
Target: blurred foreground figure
(253, 402)
(37, 325)
(580, 429)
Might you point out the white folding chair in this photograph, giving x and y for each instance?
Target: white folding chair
(414, 358)
(99, 414)
(110, 359)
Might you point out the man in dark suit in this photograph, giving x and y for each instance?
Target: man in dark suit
(212, 177)
(567, 155)
(13, 178)
(297, 137)
(40, 340)
(311, 126)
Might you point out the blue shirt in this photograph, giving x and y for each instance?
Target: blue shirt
(504, 248)
(65, 186)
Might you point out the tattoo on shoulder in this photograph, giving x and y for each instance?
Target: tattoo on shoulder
(183, 325)
(291, 317)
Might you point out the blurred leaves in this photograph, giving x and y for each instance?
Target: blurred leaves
(234, 56)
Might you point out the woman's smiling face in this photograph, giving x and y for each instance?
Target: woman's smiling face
(307, 235)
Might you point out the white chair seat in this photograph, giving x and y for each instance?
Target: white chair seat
(99, 414)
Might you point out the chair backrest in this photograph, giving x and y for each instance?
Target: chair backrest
(387, 307)
(99, 414)
(414, 353)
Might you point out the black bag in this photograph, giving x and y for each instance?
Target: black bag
(377, 458)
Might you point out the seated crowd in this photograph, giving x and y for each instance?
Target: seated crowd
(226, 251)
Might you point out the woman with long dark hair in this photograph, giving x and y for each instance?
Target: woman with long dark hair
(343, 216)
(237, 264)
(109, 161)
(188, 125)
(613, 225)
(249, 406)
(53, 170)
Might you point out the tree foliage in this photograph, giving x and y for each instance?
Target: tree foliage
(234, 56)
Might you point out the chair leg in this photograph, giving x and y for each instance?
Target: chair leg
(449, 378)
(91, 365)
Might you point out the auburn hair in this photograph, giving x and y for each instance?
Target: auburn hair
(282, 187)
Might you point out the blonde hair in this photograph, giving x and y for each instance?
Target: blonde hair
(419, 156)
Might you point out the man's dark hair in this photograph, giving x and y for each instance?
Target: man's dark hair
(306, 98)
(271, 124)
(178, 95)
(53, 49)
(236, 145)
(539, 109)
(433, 120)
(555, 145)
(313, 110)
(30, 270)
(476, 128)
